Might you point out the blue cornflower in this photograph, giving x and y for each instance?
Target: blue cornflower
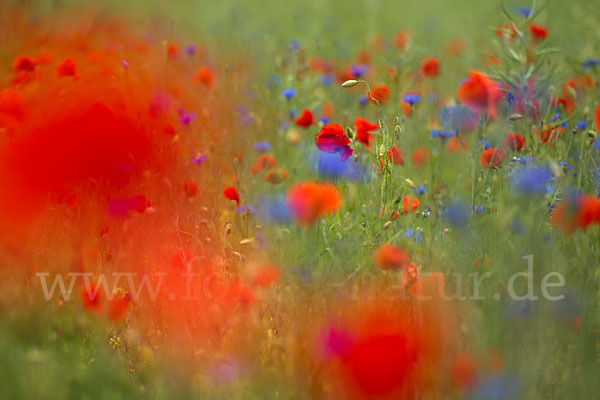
(498, 387)
(358, 71)
(324, 120)
(426, 212)
(524, 11)
(511, 98)
(248, 207)
(483, 142)
(597, 143)
(457, 214)
(531, 180)
(411, 98)
(416, 235)
(591, 62)
(326, 79)
(273, 209)
(442, 134)
(420, 190)
(288, 93)
(293, 113)
(294, 45)
(363, 100)
(478, 209)
(330, 165)
(262, 146)
(581, 125)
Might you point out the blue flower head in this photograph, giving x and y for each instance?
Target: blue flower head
(294, 45)
(288, 93)
(262, 146)
(326, 79)
(457, 214)
(420, 190)
(591, 62)
(358, 71)
(273, 209)
(411, 98)
(581, 125)
(442, 134)
(531, 180)
(363, 100)
(330, 165)
(524, 11)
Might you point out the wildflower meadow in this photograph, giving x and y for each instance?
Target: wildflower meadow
(317, 199)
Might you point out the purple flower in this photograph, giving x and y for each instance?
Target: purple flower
(190, 49)
(199, 159)
(262, 146)
(185, 117)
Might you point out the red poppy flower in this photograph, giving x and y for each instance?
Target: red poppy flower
(576, 212)
(408, 205)
(266, 276)
(430, 67)
(12, 107)
(305, 119)
(479, 93)
(67, 68)
(457, 144)
(538, 32)
(204, 76)
(380, 93)
(231, 193)
(493, 156)
(389, 256)
(514, 141)
(419, 156)
(549, 134)
(332, 139)
(276, 176)
(597, 117)
(24, 64)
(309, 201)
(90, 297)
(566, 101)
(401, 39)
(463, 372)
(263, 162)
(363, 127)
(190, 188)
(395, 155)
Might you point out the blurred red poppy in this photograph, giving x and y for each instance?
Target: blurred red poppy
(309, 201)
(305, 119)
(494, 156)
(514, 141)
(430, 67)
(479, 93)
(389, 256)
(363, 127)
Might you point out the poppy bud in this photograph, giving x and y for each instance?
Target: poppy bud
(350, 83)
